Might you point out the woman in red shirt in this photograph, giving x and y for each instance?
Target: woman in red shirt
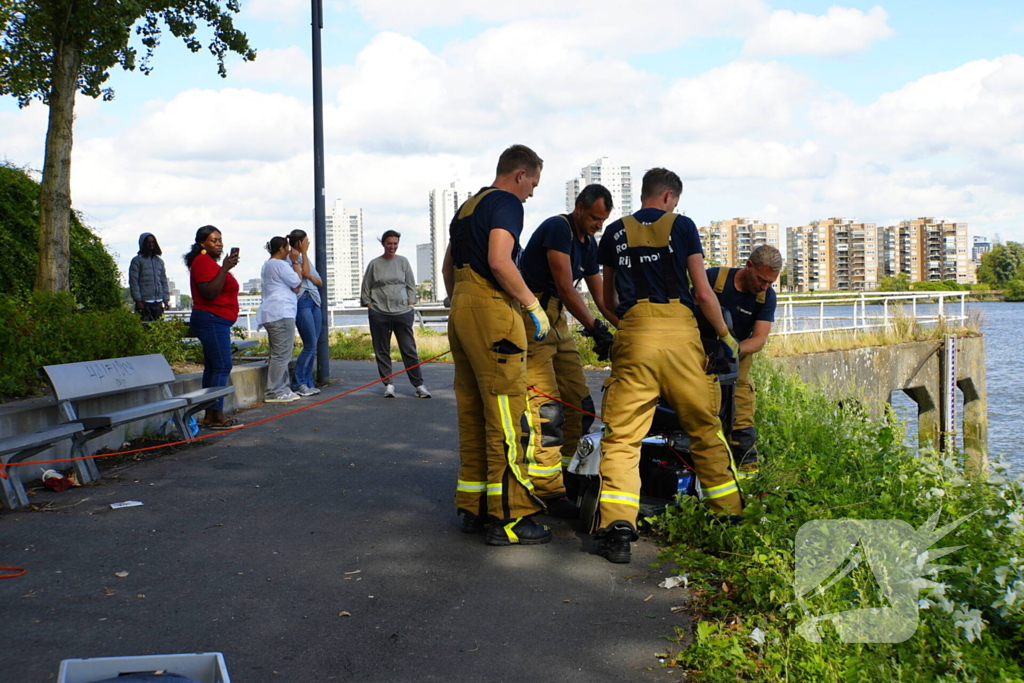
(214, 312)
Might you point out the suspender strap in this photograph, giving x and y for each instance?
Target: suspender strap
(723, 277)
(656, 236)
(469, 206)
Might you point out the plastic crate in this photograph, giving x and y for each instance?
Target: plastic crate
(204, 667)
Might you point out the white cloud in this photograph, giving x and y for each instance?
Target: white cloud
(614, 27)
(840, 31)
(976, 110)
(743, 98)
(228, 124)
(290, 64)
(288, 11)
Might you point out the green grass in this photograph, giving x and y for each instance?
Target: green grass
(821, 462)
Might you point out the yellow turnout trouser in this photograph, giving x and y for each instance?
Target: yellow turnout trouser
(553, 367)
(745, 399)
(657, 351)
(488, 343)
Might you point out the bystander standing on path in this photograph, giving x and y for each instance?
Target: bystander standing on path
(308, 320)
(214, 312)
(388, 292)
(281, 281)
(147, 279)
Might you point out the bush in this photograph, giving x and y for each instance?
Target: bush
(95, 280)
(44, 328)
(1014, 290)
(821, 462)
(939, 286)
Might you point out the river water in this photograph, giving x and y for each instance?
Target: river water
(1003, 326)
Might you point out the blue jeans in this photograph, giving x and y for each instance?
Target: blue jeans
(308, 321)
(214, 333)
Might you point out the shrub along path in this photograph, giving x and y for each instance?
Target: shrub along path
(253, 544)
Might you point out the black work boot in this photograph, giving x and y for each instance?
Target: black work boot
(613, 542)
(472, 524)
(560, 506)
(522, 531)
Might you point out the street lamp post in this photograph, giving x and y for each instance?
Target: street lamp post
(323, 354)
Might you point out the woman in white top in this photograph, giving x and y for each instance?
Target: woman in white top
(389, 291)
(281, 282)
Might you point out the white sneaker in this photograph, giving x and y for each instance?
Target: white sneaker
(389, 391)
(421, 392)
(304, 391)
(283, 398)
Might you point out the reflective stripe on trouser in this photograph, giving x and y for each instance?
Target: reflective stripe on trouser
(553, 367)
(745, 404)
(657, 351)
(488, 345)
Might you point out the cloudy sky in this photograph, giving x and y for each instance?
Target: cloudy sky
(787, 112)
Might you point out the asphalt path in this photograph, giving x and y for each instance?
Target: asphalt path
(318, 547)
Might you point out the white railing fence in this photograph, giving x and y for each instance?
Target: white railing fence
(802, 313)
(795, 314)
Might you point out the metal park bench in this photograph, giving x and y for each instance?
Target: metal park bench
(73, 383)
(22, 447)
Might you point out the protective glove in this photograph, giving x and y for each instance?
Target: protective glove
(540, 320)
(602, 337)
(730, 345)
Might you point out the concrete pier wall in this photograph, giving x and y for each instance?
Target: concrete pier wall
(870, 375)
(19, 417)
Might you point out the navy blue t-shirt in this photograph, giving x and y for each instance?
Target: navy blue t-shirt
(498, 210)
(683, 242)
(743, 307)
(556, 233)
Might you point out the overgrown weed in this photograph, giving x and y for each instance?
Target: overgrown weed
(821, 462)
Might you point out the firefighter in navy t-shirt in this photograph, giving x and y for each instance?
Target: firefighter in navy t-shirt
(658, 352)
(748, 296)
(561, 252)
(488, 342)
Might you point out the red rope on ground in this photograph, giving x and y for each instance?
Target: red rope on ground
(19, 571)
(586, 412)
(231, 431)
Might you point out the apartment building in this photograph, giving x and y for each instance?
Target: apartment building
(444, 202)
(344, 253)
(932, 249)
(729, 243)
(843, 254)
(617, 178)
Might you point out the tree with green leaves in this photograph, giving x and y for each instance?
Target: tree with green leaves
(899, 283)
(1001, 265)
(53, 49)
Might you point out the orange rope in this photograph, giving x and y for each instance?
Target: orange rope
(586, 412)
(19, 571)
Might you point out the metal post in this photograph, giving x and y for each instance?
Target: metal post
(949, 371)
(323, 354)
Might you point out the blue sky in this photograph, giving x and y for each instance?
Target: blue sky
(786, 111)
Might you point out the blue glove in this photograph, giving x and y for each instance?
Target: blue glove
(540, 320)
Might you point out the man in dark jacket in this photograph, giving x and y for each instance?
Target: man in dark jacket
(147, 279)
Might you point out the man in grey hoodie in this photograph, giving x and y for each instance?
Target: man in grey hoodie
(147, 279)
